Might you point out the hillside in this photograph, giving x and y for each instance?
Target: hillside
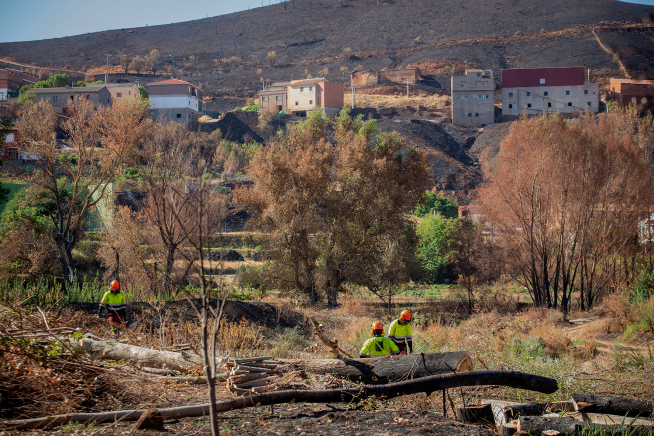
(227, 54)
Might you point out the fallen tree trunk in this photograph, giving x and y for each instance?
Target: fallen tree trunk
(109, 350)
(535, 425)
(517, 410)
(513, 379)
(482, 414)
(591, 403)
(387, 369)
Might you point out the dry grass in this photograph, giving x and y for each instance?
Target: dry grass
(432, 102)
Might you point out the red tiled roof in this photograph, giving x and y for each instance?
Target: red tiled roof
(170, 82)
(528, 77)
(308, 82)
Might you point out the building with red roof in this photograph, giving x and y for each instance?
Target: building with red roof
(548, 90)
(175, 100)
(626, 91)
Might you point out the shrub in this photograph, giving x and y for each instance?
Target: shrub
(641, 289)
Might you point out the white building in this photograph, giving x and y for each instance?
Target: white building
(473, 98)
(548, 90)
(175, 100)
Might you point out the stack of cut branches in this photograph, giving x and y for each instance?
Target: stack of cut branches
(251, 374)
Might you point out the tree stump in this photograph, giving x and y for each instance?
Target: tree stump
(477, 414)
(151, 419)
(510, 428)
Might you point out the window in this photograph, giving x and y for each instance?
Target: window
(589, 103)
(310, 88)
(567, 93)
(265, 98)
(54, 98)
(310, 101)
(585, 91)
(478, 83)
(545, 93)
(301, 88)
(528, 104)
(462, 96)
(542, 81)
(278, 98)
(510, 94)
(469, 114)
(71, 98)
(528, 94)
(297, 103)
(478, 74)
(464, 83)
(510, 106)
(119, 94)
(129, 92)
(179, 115)
(569, 104)
(631, 89)
(485, 82)
(476, 114)
(549, 104)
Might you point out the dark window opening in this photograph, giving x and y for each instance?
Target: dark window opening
(528, 94)
(179, 115)
(569, 104)
(567, 93)
(469, 114)
(510, 94)
(549, 104)
(528, 104)
(510, 106)
(545, 93)
(476, 114)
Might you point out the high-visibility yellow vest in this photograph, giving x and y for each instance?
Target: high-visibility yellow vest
(113, 303)
(400, 333)
(379, 346)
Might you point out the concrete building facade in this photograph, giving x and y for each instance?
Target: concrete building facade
(175, 100)
(548, 90)
(626, 91)
(309, 94)
(401, 75)
(12, 80)
(274, 97)
(62, 98)
(473, 96)
(120, 91)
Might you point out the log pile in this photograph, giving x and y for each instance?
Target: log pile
(251, 375)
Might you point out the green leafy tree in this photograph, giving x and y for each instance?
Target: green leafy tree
(28, 96)
(57, 81)
(435, 245)
(98, 82)
(434, 202)
(80, 84)
(144, 92)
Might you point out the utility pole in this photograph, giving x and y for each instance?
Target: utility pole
(354, 101)
(106, 76)
(172, 66)
(407, 88)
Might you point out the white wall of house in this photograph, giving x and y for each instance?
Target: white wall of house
(303, 98)
(539, 99)
(174, 101)
(473, 99)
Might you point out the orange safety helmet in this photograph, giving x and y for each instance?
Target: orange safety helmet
(405, 316)
(115, 285)
(377, 325)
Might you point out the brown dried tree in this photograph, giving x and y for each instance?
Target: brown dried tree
(564, 197)
(101, 139)
(336, 195)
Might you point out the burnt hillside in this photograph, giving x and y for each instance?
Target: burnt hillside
(226, 52)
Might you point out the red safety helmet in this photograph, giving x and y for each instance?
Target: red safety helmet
(115, 285)
(377, 325)
(405, 316)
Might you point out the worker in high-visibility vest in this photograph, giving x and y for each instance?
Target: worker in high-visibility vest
(378, 345)
(400, 332)
(114, 301)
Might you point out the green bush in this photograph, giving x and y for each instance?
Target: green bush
(528, 347)
(641, 289)
(431, 203)
(435, 238)
(252, 277)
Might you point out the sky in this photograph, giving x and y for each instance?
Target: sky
(44, 19)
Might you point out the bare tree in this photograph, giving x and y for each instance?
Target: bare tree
(272, 57)
(124, 61)
(564, 197)
(137, 64)
(152, 61)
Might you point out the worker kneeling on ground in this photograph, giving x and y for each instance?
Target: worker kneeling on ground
(378, 345)
(400, 332)
(114, 302)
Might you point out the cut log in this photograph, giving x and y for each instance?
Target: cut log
(512, 379)
(530, 409)
(253, 369)
(591, 403)
(510, 428)
(249, 377)
(550, 433)
(476, 414)
(109, 350)
(535, 425)
(256, 383)
(386, 369)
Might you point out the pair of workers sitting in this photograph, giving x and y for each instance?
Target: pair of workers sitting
(399, 338)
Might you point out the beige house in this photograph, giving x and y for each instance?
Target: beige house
(176, 100)
(274, 97)
(473, 96)
(306, 95)
(120, 91)
(62, 98)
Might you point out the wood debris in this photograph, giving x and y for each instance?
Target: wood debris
(251, 374)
